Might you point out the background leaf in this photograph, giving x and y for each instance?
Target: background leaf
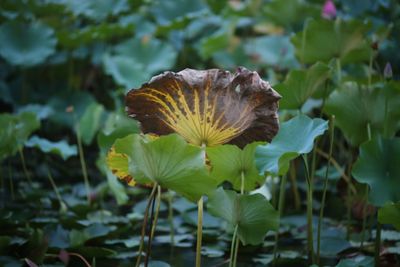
(26, 44)
(300, 85)
(377, 166)
(134, 61)
(322, 40)
(390, 214)
(61, 148)
(15, 130)
(354, 108)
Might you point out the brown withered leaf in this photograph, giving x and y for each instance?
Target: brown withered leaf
(209, 107)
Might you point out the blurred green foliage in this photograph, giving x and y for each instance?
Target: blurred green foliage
(65, 66)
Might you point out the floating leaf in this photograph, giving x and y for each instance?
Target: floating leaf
(295, 137)
(390, 214)
(253, 214)
(61, 148)
(133, 62)
(378, 166)
(300, 85)
(15, 129)
(207, 107)
(354, 108)
(322, 40)
(168, 161)
(26, 44)
(229, 162)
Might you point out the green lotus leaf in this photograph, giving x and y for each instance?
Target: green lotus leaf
(378, 166)
(133, 62)
(169, 12)
(168, 161)
(61, 148)
(253, 214)
(15, 130)
(354, 108)
(273, 50)
(116, 125)
(294, 138)
(390, 214)
(289, 12)
(229, 162)
(97, 9)
(89, 123)
(26, 44)
(322, 40)
(300, 85)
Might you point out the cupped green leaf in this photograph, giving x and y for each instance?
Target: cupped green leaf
(390, 214)
(294, 138)
(15, 130)
(229, 163)
(61, 148)
(378, 166)
(322, 40)
(354, 108)
(26, 45)
(253, 214)
(300, 85)
(168, 161)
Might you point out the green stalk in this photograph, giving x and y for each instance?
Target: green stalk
(149, 233)
(339, 70)
(371, 57)
(199, 231)
(321, 211)
(309, 212)
(53, 184)
(348, 213)
(280, 210)
(364, 212)
(28, 177)
(145, 218)
(171, 218)
(11, 182)
(234, 240)
(236, 251)
(364, 222)
(158, 202)
(378, 243)
(200, 204)
(292, 175)
(83, 163)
